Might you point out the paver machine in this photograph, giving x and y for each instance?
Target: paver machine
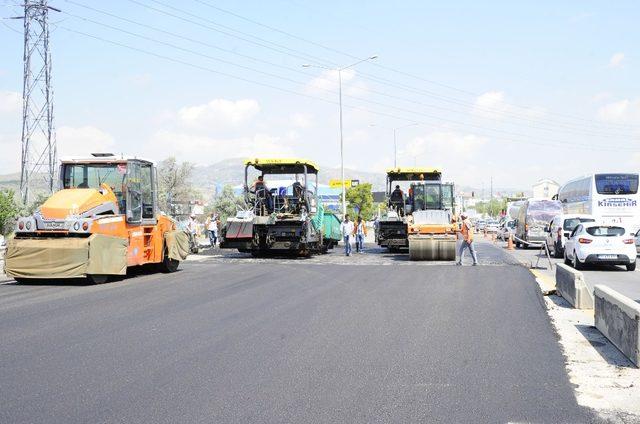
(422, 219)
(284, 215)
(104, 219)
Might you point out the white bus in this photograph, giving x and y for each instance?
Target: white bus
(610, 198)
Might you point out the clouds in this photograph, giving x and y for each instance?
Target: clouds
(622, 111)
(328, 82)
(494, 105)
(219, 112)
(206, 150)
(10, 102)
(82, 141)
(616, 60)
(301, 120)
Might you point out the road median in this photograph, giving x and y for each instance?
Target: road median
(618, 319)
(570, 284)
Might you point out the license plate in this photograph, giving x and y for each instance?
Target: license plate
(607, 256)
(54, 225)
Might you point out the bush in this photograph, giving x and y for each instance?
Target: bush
(9, 210)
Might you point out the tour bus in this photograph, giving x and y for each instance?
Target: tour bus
(610, 198)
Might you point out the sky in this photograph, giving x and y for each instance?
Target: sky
(502, 90)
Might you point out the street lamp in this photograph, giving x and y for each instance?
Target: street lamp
(339, 70)
(395, 143)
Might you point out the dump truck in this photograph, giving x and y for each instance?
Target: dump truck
(286, 218)
(103, 220)
(422, 219)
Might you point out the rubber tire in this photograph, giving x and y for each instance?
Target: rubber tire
(518, 244)
(631, 266)
(566, 259)
(168, 265)
(97, 278)
(577, 265)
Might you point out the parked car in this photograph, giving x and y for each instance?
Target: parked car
(638, 242)
(492, 226)
(480, 224)
(591, 243)
(507, 228)
(560, 228)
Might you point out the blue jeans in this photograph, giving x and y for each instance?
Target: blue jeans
(470, 246)
(347, 245)
(359, 243)
(213, 238)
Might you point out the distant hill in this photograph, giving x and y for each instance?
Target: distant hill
(209, 178)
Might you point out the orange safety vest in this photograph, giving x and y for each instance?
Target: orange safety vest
(467, 231)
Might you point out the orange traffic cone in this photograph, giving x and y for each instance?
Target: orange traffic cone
(510, 243)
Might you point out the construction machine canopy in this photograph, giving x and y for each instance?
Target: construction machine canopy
(414, 174)
(283, 166)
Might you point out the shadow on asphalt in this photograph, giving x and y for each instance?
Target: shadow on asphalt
(132, 272)
(605, 349)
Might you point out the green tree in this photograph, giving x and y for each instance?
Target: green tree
(9, 210)
(491, 208)
(227, 203)
(35, 204)
(174, 183)
(360, 201)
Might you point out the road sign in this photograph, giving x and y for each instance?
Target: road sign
(346, 183)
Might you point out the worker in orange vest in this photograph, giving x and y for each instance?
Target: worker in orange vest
(466, 229)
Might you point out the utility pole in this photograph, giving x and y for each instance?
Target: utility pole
(491, 195)
(339, 71)
(39, 151)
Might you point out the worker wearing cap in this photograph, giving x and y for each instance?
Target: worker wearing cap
(466, 229)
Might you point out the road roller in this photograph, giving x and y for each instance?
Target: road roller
(419, 220)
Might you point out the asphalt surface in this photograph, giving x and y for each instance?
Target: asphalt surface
(253, 341)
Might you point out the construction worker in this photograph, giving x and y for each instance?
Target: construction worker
(396, 200)
(346, 228)
(466, 229)
(360, 232)
(212, 228)
(259, 188)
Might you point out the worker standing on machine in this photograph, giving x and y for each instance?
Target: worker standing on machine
(397, 200)
(466, 230)
(346, 228)
(261, 191)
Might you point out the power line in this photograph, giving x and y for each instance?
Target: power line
(381, 66)
(262, 84)
(422, 114)
(578, 131)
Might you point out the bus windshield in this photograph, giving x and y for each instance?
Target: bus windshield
(617, 183)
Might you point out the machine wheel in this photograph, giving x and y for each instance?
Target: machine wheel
(631, 266)
(566, 259)
(168, 265)
(97, 278)
(432, 249)
(518, 244)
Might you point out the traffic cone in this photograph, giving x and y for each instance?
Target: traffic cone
(510, 243)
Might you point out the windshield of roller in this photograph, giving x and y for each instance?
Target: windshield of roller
(92, 175)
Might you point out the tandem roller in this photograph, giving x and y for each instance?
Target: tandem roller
(432, 248)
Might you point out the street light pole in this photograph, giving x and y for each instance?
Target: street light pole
(339, 70)
(344, 192)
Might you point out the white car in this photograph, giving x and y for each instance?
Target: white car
(591, 243)
(491, 227)
(507, 228)
(560, 228)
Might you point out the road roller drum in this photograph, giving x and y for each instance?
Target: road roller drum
(430, 248)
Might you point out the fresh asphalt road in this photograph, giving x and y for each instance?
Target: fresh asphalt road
(252, 341)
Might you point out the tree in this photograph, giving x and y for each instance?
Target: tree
(360, 201)
(226, 204)
(491, 208)
(174, 183)
(9, 210)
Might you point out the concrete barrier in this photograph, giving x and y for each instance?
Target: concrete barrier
(570, 285)
(618, 318)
